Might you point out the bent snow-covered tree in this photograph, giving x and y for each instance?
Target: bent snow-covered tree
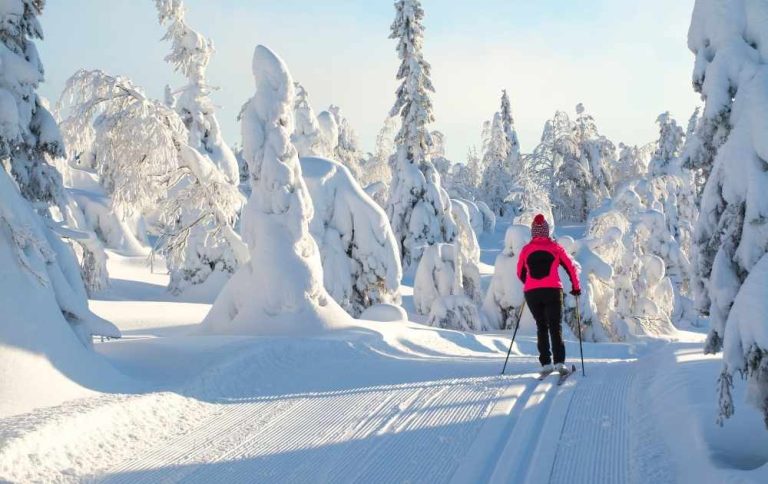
(731, 236)
(418, 206)
(190, 54)
(280, 289)
(139, 149)
(361, 264)
(33, 252)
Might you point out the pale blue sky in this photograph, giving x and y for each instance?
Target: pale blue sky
(626, 60)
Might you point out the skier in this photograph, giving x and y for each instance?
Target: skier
(537, 267)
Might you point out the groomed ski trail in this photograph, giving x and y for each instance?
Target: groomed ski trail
(478, 429)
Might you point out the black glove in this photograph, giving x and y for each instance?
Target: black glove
(576, 292)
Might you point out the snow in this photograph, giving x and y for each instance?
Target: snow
(250, 408)
(361, 264)
(319, 360)
(280, 289)
(44, 358)
(384, 313)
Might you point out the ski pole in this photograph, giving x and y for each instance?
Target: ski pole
(519, 317)
(578, 322)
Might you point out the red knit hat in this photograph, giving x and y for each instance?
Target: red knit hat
(539, 227)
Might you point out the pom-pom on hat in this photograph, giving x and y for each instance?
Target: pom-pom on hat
(539, 227)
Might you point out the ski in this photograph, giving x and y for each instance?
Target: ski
(543, 374)
(562, 378)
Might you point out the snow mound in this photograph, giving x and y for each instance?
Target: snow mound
(384, 313)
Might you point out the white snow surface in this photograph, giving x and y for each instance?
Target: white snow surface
(372, 403)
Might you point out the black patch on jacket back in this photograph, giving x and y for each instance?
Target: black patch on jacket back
(540, 263)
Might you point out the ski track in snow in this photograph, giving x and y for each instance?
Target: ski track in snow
(477, 429)
(594, 439)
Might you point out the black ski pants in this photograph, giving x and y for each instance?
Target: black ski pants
(546, 305)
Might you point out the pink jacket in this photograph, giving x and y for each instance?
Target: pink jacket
(538, 264)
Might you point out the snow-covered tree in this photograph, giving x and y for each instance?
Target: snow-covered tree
(497, 179)
(418, 206)
(731, 238)
(306, 137)
(461, 182)
(190, 54)
(466, 240)
(347, 151)
(139, 149)
(634, 240)
(513, 145)
(545, 158)
(668, 145)
(437, 155)
(29, 132)
(376, 170)
(505, 294)
(329, 132)
(438, 290)
(46, 324)
(692, 153)
(632, 163)
(596, 300)
(581, 168)
(361, 264)
(280, 289)
(33, 253)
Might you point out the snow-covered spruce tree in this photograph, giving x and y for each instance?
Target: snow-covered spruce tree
(466, 240)
(190, 54)
(595, 302)
(505, 294)
(466, 177)
(582, 180)
(306, 137)
(634, 239)
(139, 149)
(694, 156)
(437, 155)
(33, 250)
(361, 264)
(631, 164)
(418, 206)
(375, 170)
(438, 290)
(513, 145)
(280, 289)
(497, 179)
(347, 150)
(489, 218)
(329, 132)
(542, 164)
(731, 238)
(668, 145)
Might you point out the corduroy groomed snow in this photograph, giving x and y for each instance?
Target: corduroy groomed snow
(539, 227)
